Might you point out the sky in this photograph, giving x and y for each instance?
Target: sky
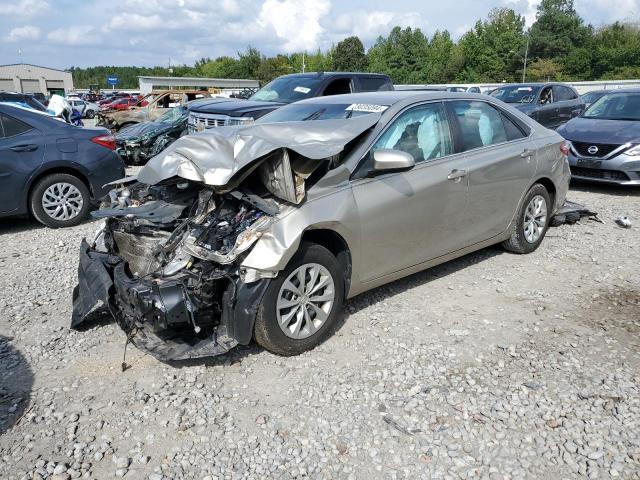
(65, 33)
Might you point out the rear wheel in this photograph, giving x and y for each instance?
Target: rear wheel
(91, 114)
(533, 221)
(60, 200)
(302, 304)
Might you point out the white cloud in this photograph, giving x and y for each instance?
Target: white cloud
(369, 26)
(76, 36)
(26, 8)
(28, 32)
(135, 22)
(296, 23)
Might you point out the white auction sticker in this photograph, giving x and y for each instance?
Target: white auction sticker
(365, 107)
(302, 89)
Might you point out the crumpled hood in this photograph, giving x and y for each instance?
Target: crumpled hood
(139, 129)
(592, 130)
(213, 157)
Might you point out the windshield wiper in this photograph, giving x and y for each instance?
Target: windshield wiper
(315, 115)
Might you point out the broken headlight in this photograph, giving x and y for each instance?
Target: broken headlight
(242, 243)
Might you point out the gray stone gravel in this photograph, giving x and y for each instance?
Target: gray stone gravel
(493, 366)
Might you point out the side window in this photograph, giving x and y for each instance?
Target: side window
(547, 96)
(421, 131)
(13, 126)
(373, 84)
(338, 87)
(480, 124)
(511, 129)
(561, 94)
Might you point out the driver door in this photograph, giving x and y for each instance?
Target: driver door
(548, 112)
(407, 218)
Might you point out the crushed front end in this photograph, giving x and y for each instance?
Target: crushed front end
(165, 265)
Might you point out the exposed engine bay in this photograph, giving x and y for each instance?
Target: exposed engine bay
(166, 264)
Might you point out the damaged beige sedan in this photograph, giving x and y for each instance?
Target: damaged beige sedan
(261, 232)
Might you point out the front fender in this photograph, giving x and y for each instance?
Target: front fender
(335, 211)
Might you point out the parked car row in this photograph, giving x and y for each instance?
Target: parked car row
(603, 139)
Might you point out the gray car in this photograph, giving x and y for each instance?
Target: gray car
(261, 232)
(605, 140)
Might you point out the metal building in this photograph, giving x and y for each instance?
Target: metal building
(26, 78)
(227, 85)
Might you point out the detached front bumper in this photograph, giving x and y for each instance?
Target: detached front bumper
(152, 314)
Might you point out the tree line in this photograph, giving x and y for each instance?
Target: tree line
(559, 45)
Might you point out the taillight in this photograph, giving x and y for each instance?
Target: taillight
(564, 148)
(106, 141)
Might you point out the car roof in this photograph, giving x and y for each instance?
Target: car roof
(333, 74)
(390, 97)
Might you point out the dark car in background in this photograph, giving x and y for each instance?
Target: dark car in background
(550, 104)
(53, 170)
(593, 96)
(282, 91)
(605, 140)
(139, 142)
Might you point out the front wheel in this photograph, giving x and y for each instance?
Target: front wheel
(60, 200)
(533, 221)
(91, 114)
(302, 305)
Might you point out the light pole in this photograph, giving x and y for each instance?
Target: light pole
(526, 54)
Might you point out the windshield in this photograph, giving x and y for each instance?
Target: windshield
(616, 106)
(173, 115)
(516, 93)
(320, 111)
(287, 89)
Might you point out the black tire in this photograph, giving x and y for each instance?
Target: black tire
(38, 211)
(268, 333)
(90, 114)
(517, 243)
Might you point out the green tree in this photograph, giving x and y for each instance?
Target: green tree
(558, 30)
(401, 55)
(349, 56)
(545, 70)
(494, 48)
(273, 67)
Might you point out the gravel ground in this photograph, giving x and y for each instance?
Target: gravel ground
(491, 366)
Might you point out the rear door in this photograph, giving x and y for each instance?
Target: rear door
(21, 152)
(572, 105)
(500, 161)
(407, 218)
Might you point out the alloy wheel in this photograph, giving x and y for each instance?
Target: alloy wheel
(535, 219)
(305, 301)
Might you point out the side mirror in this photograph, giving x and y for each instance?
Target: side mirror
(387, 160)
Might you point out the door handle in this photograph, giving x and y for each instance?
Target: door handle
(456, 175)
(527, 153)
(25, 148)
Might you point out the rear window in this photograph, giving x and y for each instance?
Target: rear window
(12, 126)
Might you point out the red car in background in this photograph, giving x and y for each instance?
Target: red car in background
(123, 104)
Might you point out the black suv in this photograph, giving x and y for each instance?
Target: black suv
(220, 112)
(551, 104)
